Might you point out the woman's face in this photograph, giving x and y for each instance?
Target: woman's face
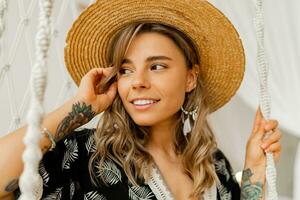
(153, 79)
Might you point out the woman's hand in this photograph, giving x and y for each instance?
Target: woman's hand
(89, 91)
(253, 178)
(257, 145)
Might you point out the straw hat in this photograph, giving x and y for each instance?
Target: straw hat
(220, 49)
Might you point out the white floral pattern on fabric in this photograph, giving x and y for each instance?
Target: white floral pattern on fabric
(224, 193)
(90, 144)
(220, 166)
(71, 153)
(94, 195)
(110, 173)
(72, 189)
(44, 174)
(56, 195)
(140, 193)
(64, 172)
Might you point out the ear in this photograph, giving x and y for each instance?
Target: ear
(192, 76)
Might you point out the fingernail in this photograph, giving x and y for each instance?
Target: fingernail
(267, 126)
(263, 145)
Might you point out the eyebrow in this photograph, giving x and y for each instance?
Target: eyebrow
(149, 59)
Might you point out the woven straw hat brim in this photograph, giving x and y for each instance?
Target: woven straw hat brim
(222, 59)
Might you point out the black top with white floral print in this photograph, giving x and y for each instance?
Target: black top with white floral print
(65, 174)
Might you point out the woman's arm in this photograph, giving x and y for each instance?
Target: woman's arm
(76, 112)
(60, 122)
(253, 183)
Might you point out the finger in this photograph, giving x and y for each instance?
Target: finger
(260, 133)
(94, 74)
(107, 71)
(109, 78)
(106, 100)
(112, 91)
(96, 71)
(257, 120)
(273, 138)
(274, 147)
(271, 125)
(276, 156)
(100, 71)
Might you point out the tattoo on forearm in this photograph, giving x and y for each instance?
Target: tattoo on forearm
(12, 185)
(250, 191)
(80, 114)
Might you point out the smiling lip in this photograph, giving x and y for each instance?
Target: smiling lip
(144, 107)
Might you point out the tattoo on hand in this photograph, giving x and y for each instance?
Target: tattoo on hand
(12, 185)
(250, 191)
(80, 114)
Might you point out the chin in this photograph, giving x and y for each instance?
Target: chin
(144, 122)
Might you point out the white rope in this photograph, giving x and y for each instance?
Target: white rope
(20, 30)
(265, 101)
(30, 180)
(8, 63)
(12, 99)
(3, 7)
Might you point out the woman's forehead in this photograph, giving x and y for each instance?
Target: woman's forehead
(149, 59)
(152, 46)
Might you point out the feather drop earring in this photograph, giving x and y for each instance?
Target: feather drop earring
(187, 123)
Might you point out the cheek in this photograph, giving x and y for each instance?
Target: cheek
(122, 90)
(173, 94)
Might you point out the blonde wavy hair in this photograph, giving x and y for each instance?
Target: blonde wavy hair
(120, 140)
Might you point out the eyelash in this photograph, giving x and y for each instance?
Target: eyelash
(121, 71)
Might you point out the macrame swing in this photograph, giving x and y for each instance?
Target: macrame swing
(264, 97)
(30, 181)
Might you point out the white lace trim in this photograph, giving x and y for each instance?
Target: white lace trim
(162, 192)
(211, 193)
(158, 186)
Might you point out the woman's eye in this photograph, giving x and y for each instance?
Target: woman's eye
(157, 66)
(124, 71)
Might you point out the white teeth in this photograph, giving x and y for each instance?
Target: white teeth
(143, 102)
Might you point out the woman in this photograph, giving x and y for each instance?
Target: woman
(153, 140)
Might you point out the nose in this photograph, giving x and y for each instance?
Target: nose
(140, 80)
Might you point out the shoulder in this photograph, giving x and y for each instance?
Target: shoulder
(75, 139)
(228, 187)
(222, 165)
(70, 150)
(82, 138)
(63, 167)
(80, 134)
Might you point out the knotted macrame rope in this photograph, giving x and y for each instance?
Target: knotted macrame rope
(3, 7)
(30, 180)
(265, 100)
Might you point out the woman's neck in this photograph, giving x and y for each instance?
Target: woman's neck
(161, 139)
